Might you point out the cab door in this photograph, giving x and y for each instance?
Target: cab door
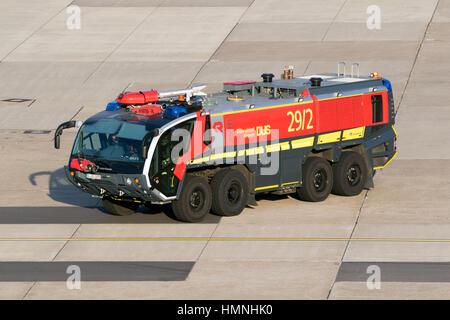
(164, 161)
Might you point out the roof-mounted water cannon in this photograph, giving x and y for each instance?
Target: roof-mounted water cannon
(188, 93)
(152, 96)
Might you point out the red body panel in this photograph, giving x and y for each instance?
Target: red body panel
(258, 125)
(291, 121)
(318, 116)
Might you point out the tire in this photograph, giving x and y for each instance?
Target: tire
(195, 200)
(317, 180)
(230, 192)
(349, 174)
(119, 208)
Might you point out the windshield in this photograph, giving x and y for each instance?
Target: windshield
(115, 145)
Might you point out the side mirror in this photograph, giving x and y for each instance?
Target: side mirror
(144, 146)
(61, 127)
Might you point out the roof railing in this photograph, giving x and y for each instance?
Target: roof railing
(355, 65)
(339, 69)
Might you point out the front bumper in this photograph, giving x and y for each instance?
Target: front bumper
(113, 184)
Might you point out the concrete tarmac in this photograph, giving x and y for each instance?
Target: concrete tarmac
(282, 249)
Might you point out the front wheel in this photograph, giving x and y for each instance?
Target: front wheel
(317, 180)
(195, 200)
(119, 208)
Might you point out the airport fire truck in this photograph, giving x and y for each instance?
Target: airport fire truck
(308, 135)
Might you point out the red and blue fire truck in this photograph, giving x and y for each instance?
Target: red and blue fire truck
(308, 135)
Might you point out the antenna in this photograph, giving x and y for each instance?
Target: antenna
(125, 89)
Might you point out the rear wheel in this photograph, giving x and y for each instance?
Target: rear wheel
(195, 200)
(349, 174)
(230, 192)
(317, 180)
(119, 208)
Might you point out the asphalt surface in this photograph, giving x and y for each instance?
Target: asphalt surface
(282, 249)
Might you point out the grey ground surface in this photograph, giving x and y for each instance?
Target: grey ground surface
(165, 44)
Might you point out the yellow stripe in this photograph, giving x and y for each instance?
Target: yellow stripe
(200, 160)
(251, 151)
(223, 155)
(283, 146)
(395, 131)
(329, 137)
(229, 239)
(286, 183)
(267, 187)
(381, 167)
(278, 146)
(262, 108)
(301, 143)
(355, 133)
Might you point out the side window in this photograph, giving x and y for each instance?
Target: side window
(163, 166)
(377, 108)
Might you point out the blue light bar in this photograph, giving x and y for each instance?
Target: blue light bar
(174, 112)
(113, 106)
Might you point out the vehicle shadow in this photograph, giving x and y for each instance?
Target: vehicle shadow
(77, 207)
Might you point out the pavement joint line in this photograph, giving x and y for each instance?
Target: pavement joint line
(220, 45)
(207, 242)
(122, 42)
(416, 56)
(348, 242)
(332, 21)
(33, 33)
(53, 259)
(229, 239)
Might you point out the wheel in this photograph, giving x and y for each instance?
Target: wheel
(195, 200)
(119, 208)
(349, 174)
(317, 180)
(230, 191)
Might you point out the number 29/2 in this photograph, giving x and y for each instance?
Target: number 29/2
(300, 119)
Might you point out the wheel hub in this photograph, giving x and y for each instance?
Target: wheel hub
(320, 179)
(233, 193)
(196, 199)
(354, 174)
